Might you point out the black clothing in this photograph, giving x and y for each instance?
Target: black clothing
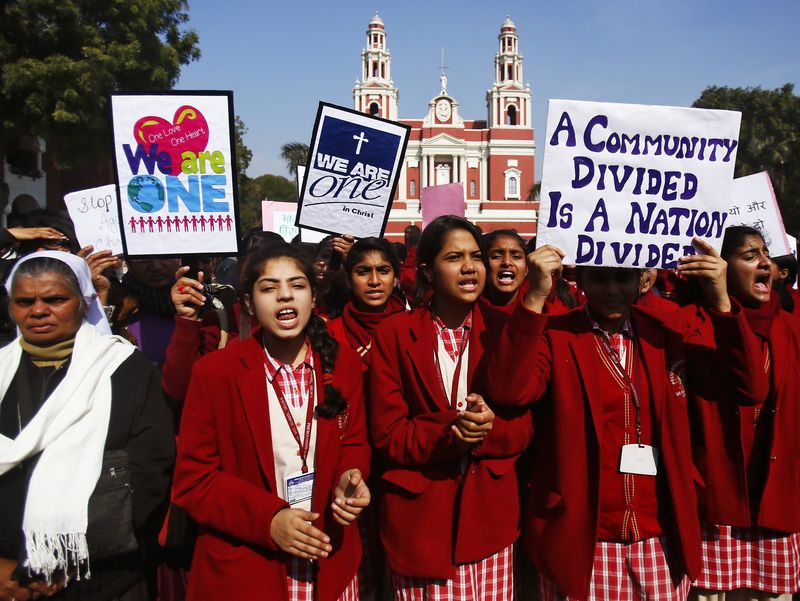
(140, 423)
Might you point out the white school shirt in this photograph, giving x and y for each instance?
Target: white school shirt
(447, 368)
(284, 446)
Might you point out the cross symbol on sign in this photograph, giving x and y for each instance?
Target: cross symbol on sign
(361, 139)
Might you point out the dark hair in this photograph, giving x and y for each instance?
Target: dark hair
(490, 238)
(368, 245)
(530, 245)
(430, 244)
(411, 235)
(789, 263)
(400, 251)
(735, 236)
(316, 331)
(58, 220)
(40, 266)
(257, 237)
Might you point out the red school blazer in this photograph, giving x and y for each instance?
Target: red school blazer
(717, 425)
(556, 364)
(432, 516)
(225, 476)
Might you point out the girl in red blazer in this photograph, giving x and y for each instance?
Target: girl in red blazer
(612, 506)
(747, 447)
(506, 269)
(273, 450)
(372, 277)
(449, 508)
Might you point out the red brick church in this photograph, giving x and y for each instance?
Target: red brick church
(492, 159)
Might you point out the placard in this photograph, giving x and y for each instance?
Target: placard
(176, 173)
(306, 235)
(447, 199)
(631, 185)
(754, 204)
(95, 214)
(350, 182)
(279, 217)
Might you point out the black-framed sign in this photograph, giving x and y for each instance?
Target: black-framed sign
(352, 171)
(175, 168)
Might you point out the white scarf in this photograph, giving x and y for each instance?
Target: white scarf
(70, 431)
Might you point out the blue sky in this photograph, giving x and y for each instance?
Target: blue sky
(281, 58)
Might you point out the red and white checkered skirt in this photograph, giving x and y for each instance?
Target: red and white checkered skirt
(627, 572)
(491, 579)
(300, 578)
(754, 558)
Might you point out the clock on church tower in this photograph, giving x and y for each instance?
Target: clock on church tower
(443, 111)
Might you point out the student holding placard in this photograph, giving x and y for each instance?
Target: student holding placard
(612, 507)
(450, 502)
(746, 446)
(273, 452)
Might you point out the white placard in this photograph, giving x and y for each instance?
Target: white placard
(630, 185)
(95, 215)
(306, 235)
(355, 162)
(176, 173)
(754, 204)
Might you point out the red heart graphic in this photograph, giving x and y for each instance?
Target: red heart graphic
(187, 132)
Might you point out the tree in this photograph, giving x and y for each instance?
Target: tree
(769, 139)
(295, 154)
(61, 58)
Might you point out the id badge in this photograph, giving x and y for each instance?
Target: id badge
(639, 459)
(299, 487)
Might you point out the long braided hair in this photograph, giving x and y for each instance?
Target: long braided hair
(317, 333)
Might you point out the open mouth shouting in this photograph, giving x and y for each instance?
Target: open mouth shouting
(762, 284)
(506, 278)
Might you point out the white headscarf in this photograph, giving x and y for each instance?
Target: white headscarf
(95, 314)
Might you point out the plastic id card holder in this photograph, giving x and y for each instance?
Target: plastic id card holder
(299, 487)
(639, 459)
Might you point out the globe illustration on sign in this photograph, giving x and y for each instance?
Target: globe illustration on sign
(146, 194)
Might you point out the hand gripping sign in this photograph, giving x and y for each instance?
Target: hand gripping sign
(354, 162)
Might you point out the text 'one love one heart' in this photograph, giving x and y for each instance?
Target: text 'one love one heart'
(187, 132)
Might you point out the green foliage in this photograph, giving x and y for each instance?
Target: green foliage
(295, 154)
(61, 58)
(769, 139)
(264, 187)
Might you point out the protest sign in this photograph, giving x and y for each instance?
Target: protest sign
(355, 162)
(631, 185)
(306, 235)
(447, 199)
(754, 204)
(95, 215)
(279, 217)
(176, 173)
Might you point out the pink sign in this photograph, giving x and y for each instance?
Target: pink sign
(279, 217)
(441, 200)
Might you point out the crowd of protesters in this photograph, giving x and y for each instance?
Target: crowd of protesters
(459, 417)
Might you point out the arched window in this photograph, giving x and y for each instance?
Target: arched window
(512, 186)
(472, 188)
(374, 109)
(412, 189)
(511, 115)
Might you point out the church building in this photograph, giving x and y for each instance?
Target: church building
(493, 159)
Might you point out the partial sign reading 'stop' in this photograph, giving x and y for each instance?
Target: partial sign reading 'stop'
(176, 173)
(355, 161)
(631, 185)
